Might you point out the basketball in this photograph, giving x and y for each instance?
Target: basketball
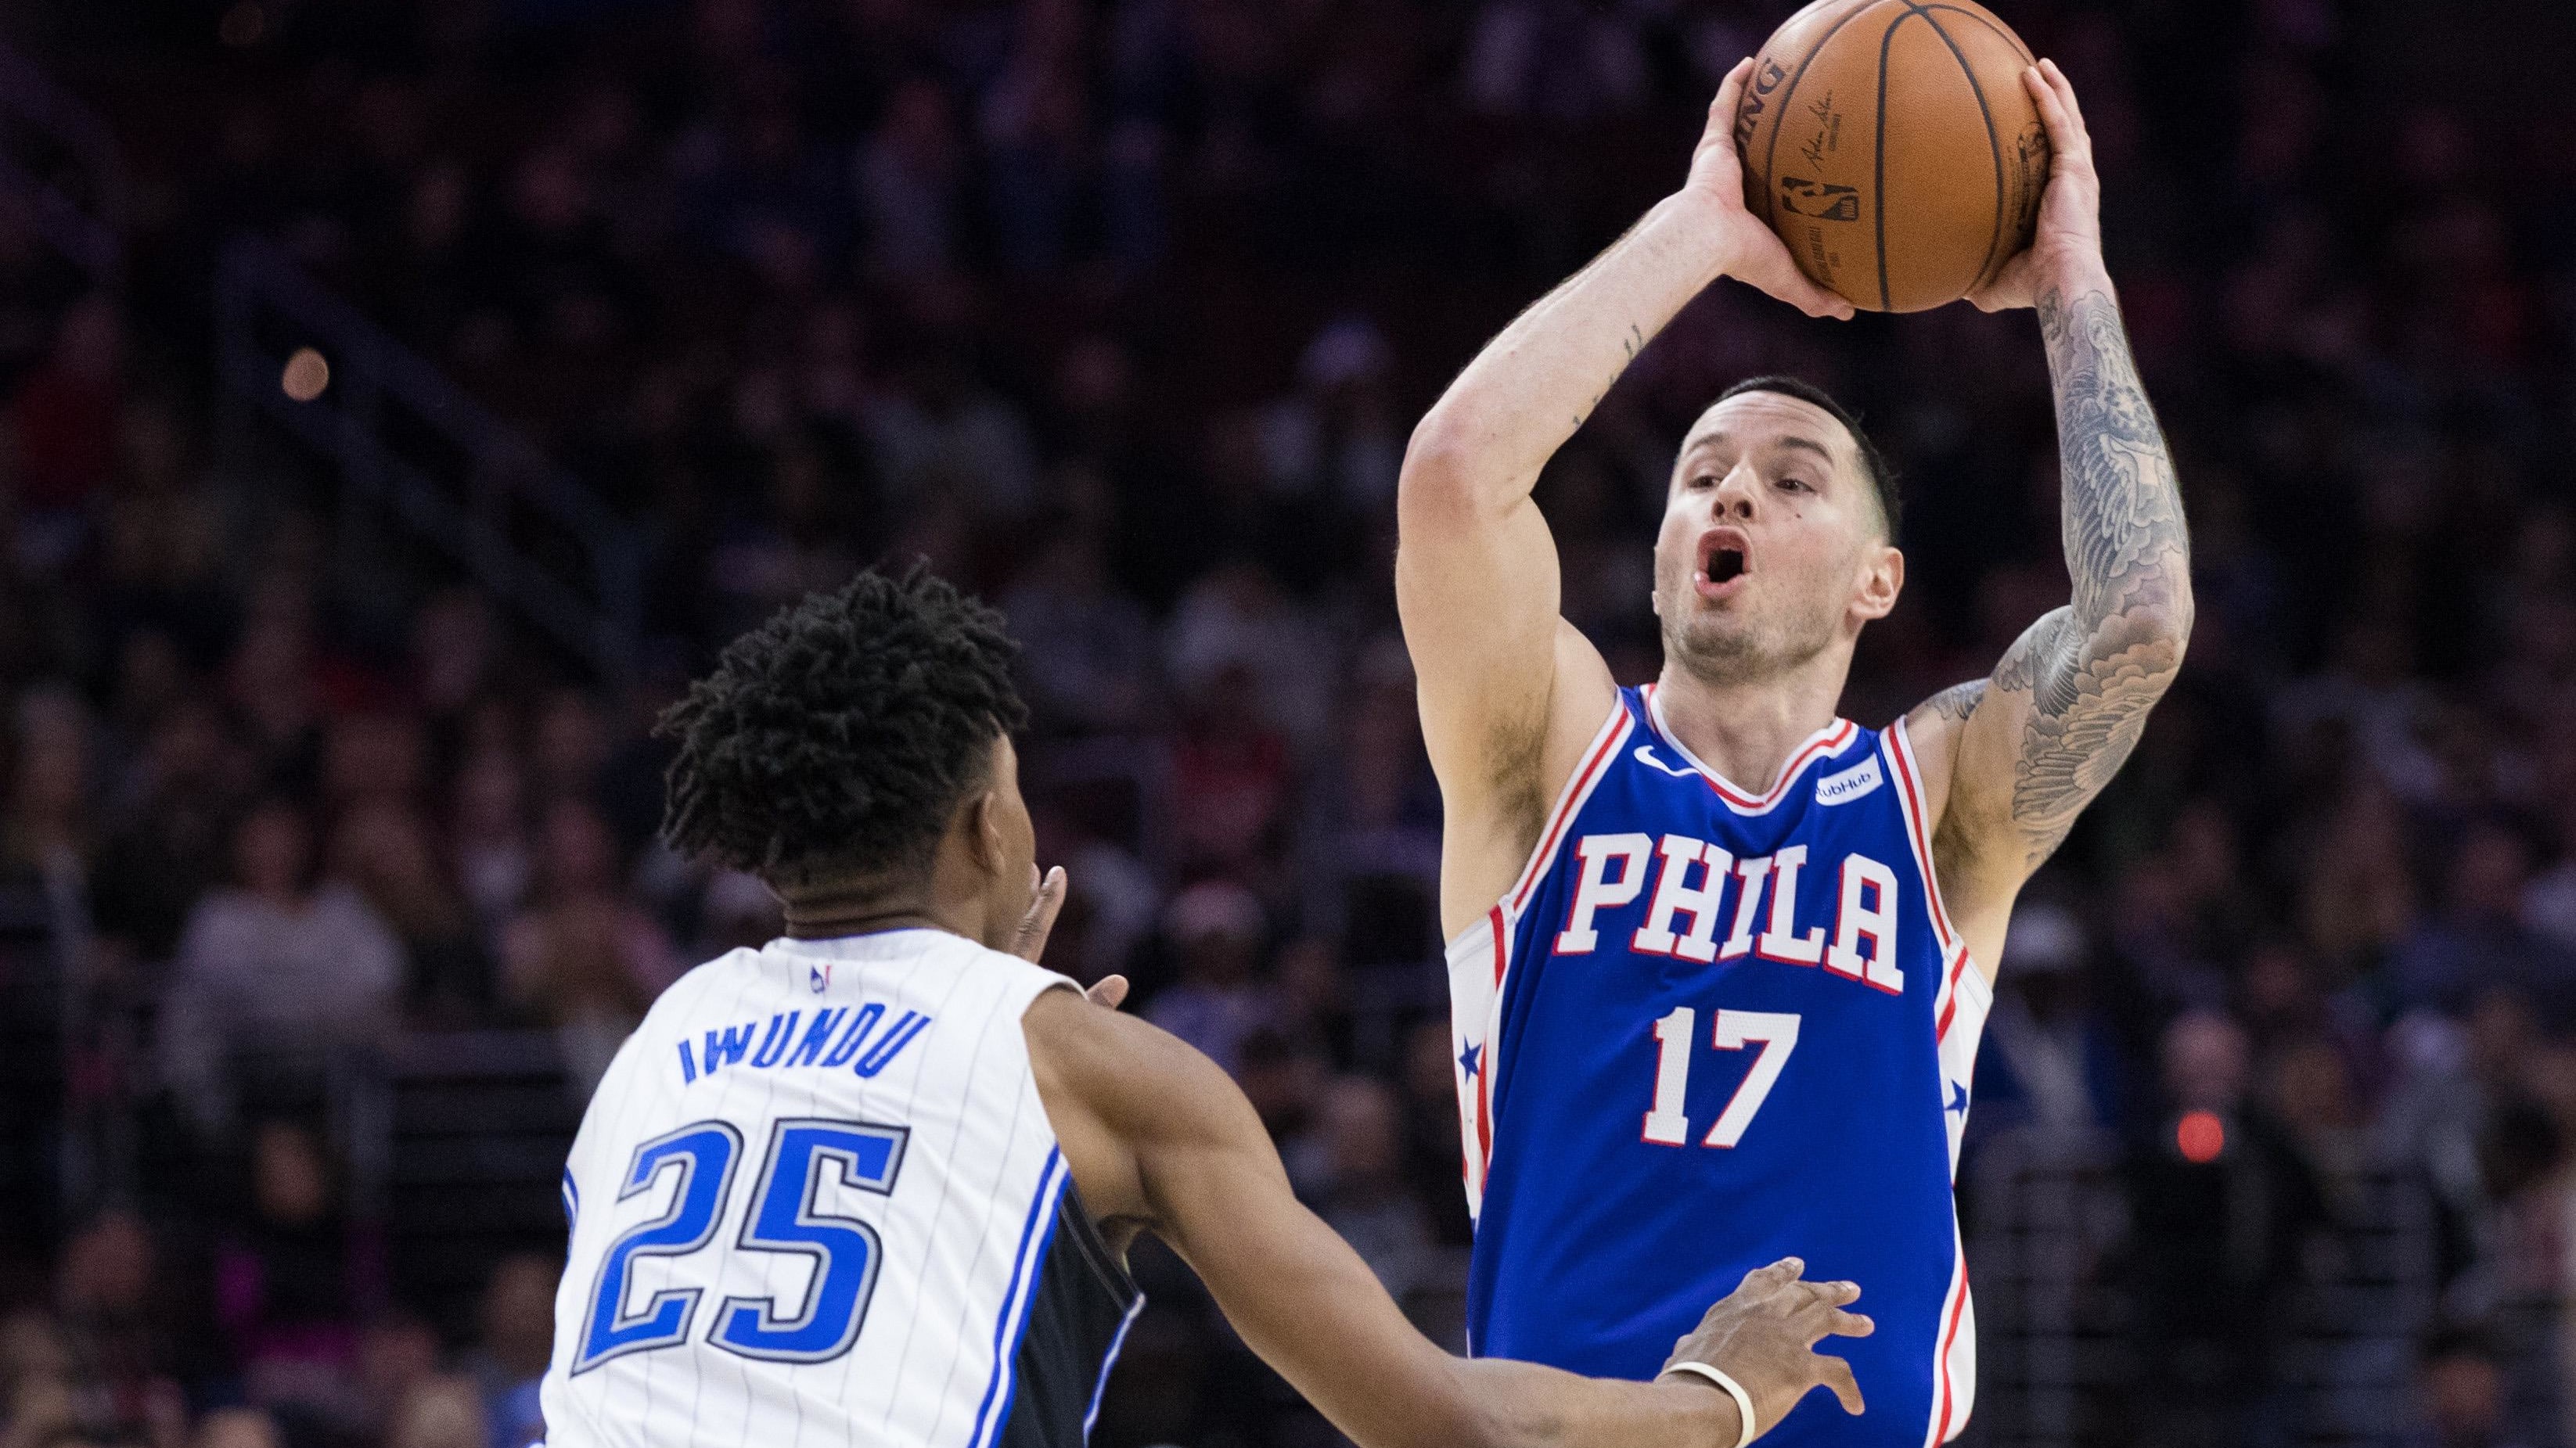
(1891, 145)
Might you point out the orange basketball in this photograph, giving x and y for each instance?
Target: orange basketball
(1891, 145)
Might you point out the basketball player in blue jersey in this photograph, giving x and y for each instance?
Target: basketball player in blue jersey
(1719, 959)
(874, 1182)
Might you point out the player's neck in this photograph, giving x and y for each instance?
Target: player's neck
(832, 926)
(827, 914)
(1746, 730)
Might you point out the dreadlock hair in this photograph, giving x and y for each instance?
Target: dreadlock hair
(837, 738)
(1882, 478)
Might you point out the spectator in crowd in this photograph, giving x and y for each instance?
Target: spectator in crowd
(294, 1284)
(1363, 1194)
(2463, 1390)
(63, 425)
(445, 1412)
(49, 829)
(274, 973)
(2050, 1063)
(2224, 1206)
(1285, 1080)
(490, 855)
(169, 837)
(397, 1354)
(238, 1428)
(2478, 943)
(122, 1325)
(1238, 637)
(1217, 930)
(518, 1334)
(1086, 652)
(584, 958)
(383, 849)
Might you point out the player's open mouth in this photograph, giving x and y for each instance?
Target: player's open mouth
(1725, 558)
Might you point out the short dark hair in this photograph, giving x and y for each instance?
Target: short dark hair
(837, 738)
(1891, 504)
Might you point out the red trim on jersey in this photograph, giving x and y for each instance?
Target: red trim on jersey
(1950, 995)
(1941, 1362)
(1613, 730)
(1485, 1078)
(1910, 779)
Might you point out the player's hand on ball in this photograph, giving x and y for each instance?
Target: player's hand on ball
(1755, 254)
(1762, 1335)
(2068, 238)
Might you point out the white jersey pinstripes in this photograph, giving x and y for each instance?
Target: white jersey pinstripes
(809, 1202)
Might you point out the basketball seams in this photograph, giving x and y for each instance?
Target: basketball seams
(1878, 162)
(1994, 143)
(2000, 30)
(1985, 20)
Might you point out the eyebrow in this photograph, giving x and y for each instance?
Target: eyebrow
(1792, 440)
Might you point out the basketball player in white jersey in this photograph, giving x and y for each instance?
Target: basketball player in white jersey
(874, 1182)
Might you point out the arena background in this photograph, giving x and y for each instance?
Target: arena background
(329, 873)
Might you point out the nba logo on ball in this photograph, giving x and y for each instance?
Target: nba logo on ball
(1908, 121)
(1825, 202)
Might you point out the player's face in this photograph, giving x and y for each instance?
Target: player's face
(1771, 549)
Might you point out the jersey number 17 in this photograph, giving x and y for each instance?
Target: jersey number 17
(1668, 1120)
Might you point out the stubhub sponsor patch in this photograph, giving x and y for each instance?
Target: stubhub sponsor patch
(1851, 784)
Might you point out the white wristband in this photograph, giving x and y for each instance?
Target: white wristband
(1743, 1400)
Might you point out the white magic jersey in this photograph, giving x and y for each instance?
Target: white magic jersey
(816, 1201)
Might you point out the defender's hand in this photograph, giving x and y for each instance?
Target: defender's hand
(1028, 942)
(1755, 254)
(1761, 1335)
(2067, 242)
(1046, 898)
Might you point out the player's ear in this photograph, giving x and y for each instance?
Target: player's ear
(1882, 578)
(980, 823)
(985, 817)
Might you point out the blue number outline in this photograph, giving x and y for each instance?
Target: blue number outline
(783, 1220)
(688, 1224)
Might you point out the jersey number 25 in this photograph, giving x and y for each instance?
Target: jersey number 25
(783, 1218)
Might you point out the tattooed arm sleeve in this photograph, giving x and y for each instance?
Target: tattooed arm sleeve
(2039, 738)
(2092, 670)
(2115, 650)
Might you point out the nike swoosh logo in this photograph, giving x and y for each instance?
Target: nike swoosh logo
(1646, 755)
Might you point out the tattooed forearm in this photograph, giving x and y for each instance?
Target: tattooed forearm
(2095, 668)
(2123, 526)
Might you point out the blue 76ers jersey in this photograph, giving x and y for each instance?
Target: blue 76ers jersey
(1708, 1030)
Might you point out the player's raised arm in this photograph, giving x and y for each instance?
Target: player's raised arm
(1161, 1140)
(1508, 691)
(2029, 747)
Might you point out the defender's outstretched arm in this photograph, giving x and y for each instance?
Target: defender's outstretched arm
(1161, 1140)
(2029, 747)
(1508, 691)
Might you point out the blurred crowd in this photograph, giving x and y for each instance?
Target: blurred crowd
(1120, 311)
